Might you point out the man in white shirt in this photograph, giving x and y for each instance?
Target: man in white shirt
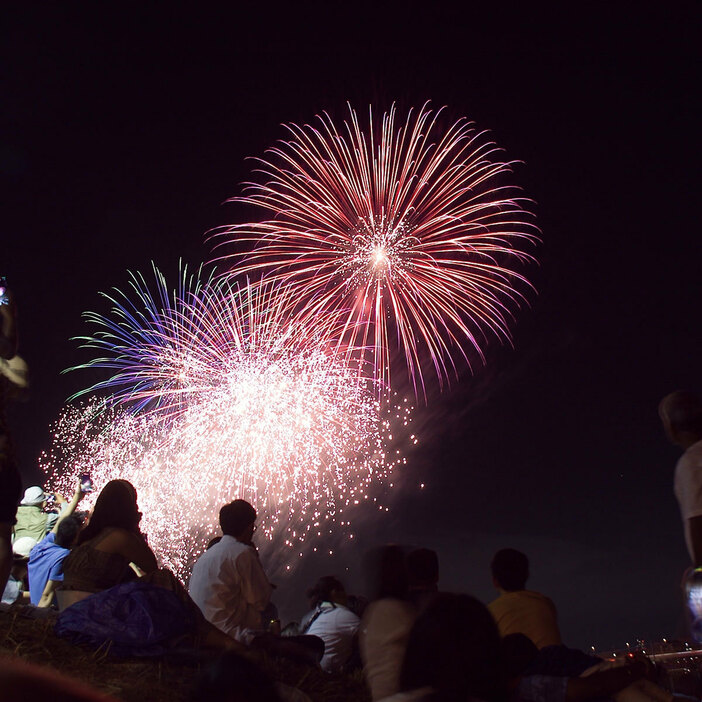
(228, 582)
(332, 621)
(681, 414)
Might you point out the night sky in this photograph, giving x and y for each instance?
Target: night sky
(124, 130)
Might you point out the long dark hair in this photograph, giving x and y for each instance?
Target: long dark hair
(454, 648)
(116, 506)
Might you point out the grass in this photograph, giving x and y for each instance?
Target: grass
(136, 680)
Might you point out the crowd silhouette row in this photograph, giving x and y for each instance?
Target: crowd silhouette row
(409, 640)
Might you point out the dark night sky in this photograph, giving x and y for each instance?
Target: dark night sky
(124, 130)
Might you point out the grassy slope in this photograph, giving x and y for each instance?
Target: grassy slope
(136, 680)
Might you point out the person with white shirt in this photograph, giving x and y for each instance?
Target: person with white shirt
(228, 582)
(681, 414)
(332, 621)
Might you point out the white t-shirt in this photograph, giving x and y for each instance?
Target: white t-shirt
(383, 638)
(230, 587)
(336, 625)
(688, 488)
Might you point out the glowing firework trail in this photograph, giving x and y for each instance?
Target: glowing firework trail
(235, 400)
(145, 341)
(401, 231)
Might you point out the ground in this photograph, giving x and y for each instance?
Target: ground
(136, 680)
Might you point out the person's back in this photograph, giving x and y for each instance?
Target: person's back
(518, 610)
(332, 622)
(109, 543)
(94, 565)
(386, 622)
(228, 583)
(526, 612)
(222, 588)
(45, 563)
(31, 520)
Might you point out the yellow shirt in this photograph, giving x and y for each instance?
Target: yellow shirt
(527, 612)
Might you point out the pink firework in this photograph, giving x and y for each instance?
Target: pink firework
(406, 233)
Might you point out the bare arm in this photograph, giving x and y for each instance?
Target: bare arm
(605, 683)
(695, 524)
(133, 547)
(70, 507)
(48, 595)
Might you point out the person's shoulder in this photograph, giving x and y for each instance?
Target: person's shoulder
(693, 454)
(46, 542)
(228, 544)
(229, 549)
(689, 466)
(389, 608)
(498, 600)
(534, 595)
(116, 535)
(344, 614)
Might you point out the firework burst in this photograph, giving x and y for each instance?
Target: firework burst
(219, 393)
(402, 232)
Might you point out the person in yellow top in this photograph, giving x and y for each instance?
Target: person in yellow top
(517, 610)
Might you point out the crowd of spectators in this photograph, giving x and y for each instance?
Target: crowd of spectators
(409, 640)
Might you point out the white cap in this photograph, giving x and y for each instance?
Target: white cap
(33, 496)
(23, 545)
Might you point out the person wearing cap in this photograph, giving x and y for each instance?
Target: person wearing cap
(31, 520)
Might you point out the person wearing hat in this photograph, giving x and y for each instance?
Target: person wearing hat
(31, 520)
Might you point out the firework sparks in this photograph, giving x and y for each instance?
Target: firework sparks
(233, 398)
(402, 232)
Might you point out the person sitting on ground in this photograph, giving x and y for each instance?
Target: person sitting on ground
(109, 543)
(32, 521)
(232, 678)
(386, 622)
(517, 610)
(561, 674)
(332, 621)
(16, 586)
(45, 568)
(423, 575)
(681, 414)
(228, 582)
(113, 560)
(453, 653)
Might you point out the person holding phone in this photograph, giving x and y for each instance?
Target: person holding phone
(10, 482)
(45, 567)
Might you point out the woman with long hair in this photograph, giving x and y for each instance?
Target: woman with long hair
(135, 605)
(109, 543)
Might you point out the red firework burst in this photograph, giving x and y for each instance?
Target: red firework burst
(403, 232)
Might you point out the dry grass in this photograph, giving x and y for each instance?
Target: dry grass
(137, 680)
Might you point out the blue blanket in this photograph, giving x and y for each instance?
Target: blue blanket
(134, 619)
